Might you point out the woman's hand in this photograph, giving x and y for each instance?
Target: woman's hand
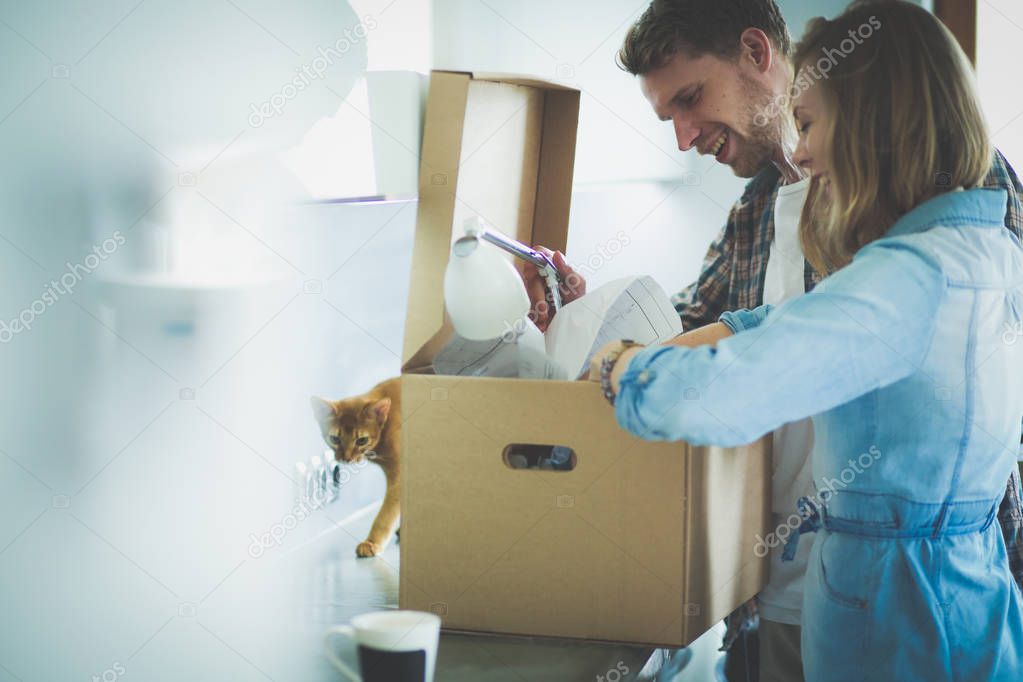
(621, 364)
(708, 335)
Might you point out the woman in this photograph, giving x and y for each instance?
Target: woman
(898, 353)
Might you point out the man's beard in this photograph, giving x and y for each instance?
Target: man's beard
(759, 146)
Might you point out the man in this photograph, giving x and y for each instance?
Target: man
(719, 71)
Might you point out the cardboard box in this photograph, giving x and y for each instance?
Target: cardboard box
(642, 542)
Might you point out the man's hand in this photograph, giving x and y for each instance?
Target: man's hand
(572, 287)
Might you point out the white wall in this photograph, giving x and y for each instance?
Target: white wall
(1000, 29)
(575, 41)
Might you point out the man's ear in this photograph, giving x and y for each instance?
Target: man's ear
(380, 409)
(323, 411)
(757, 49)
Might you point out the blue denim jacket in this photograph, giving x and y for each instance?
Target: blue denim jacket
(907, 360)
(879, 350)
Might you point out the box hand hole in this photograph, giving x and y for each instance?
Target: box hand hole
(542, 457)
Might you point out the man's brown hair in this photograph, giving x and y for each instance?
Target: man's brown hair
(698, 27)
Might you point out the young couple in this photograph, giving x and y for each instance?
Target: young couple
(865, 280)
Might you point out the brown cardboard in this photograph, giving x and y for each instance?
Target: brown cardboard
(642, 542)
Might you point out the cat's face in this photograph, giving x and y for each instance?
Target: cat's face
(351, 428)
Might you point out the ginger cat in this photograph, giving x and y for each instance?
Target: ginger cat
(369, 426)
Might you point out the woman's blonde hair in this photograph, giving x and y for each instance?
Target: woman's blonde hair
(905, 123)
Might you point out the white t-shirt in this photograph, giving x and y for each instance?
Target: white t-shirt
(781, 600)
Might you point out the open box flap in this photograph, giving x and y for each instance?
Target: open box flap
(499, 147)
(513, 78)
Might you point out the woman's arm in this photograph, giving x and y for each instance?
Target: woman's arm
(865, 327)
(708, 335)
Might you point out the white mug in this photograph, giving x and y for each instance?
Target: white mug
(396, 646)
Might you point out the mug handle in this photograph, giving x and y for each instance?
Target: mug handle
(344, 631)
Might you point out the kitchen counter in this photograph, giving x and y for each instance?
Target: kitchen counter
(90, 592)
(339, 586)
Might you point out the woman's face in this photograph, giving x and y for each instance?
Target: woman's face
(812, 120)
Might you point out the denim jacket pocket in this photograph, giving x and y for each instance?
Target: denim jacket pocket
(837, 617)
(845, 577)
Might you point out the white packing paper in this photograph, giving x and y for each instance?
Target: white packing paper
(519, 353)
(629, 308)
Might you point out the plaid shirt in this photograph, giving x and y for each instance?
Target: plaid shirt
(733, 279)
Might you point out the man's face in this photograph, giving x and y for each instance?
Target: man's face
(719, 106)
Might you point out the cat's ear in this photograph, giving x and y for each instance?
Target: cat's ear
(380, 409)
(323, 411)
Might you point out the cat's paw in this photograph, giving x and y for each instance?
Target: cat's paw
(367, 549)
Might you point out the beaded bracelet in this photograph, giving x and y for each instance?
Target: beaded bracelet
(607, 365)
